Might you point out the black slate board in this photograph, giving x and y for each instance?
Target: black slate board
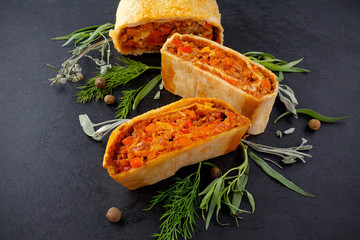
(52, 183)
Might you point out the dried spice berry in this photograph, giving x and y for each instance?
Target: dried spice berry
(100, 82)
(113, 214)
(314, 124)
(109, 99)
(215, 172)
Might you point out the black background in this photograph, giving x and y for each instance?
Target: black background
(53, 185)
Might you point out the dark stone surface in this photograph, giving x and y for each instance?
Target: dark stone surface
(52, 183)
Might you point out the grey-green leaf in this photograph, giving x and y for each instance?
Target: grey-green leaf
(86, 124)
(272, 173)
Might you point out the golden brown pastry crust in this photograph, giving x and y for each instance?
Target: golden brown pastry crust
(132, 13)
(166, 165)
(187, 80)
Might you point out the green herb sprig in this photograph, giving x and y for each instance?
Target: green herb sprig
(87, 39)
(181, 203)
(224, 188)
(277, 176)
(85, 36)
(274, 64)
(126, 103)
(313, 114)
(115, 77)
(145, 91)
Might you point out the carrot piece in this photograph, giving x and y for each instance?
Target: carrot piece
(151, 155)
(128, 140)
(185, 49)
(265, 84)
(185, 141)
(136, 162)
(150, 128)
(231, 81)
(177, 42)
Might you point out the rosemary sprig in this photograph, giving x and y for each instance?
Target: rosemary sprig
(115, 77)
(274, 64)
(272, 173)
(126, 102)
(220, 191)
(313, 114)
(181, 202)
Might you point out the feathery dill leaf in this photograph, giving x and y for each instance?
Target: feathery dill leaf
(116, 76)
(126, 102)
(181, 202)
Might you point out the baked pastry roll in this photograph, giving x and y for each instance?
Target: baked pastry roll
(142, 26)
(193, 66)
(154, 145)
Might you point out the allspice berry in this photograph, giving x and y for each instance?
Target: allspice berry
(113, 215)
(215, 172)
(314, 124)
(100, 82)
(109, 99)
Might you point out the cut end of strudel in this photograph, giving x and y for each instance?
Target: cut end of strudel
(153, 146)
(142, 26)
(193, 66)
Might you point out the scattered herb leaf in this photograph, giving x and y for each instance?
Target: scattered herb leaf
(291, 153)
(220, 191)
(274, 64)
(287, 96)
(272, 173)
(313, 114)
(145, 91)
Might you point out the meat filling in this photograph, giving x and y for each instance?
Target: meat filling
(148, 139)
(151, 36)
(227, 65)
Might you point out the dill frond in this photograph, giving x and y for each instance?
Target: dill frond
(126, 102)
(181, 203)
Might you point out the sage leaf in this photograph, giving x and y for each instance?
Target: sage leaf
(86, 124)
(277, 176)
(288, 99)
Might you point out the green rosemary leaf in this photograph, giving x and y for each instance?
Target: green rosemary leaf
(274, 64)
(126, 101)
(262, 54)
(77, 31)
(145, 91)
(251, 200)
(280, 77)
(81, 38)
(215, 200)
(272, 173)
(73, 37)
(313, 114)
(100, 30)
(238, 191)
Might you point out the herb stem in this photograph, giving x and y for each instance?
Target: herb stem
(313, 114)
